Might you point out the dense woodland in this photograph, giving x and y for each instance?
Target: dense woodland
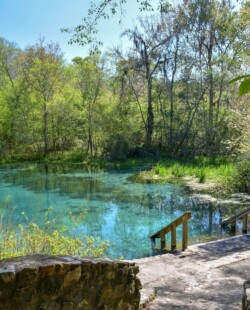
(168, 94)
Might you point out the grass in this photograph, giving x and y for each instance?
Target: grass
(218, 170)
(202, 169)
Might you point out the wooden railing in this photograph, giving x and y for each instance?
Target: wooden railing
(182, 220)
(239, 215)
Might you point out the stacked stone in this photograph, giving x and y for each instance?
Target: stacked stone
(246, 296)
(67, 283)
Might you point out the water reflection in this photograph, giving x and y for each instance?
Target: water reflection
(115, 209)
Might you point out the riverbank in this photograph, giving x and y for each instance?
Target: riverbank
(204, 193)
(216, 176)
(207, 178)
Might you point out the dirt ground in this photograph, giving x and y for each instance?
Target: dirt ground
(205, 276)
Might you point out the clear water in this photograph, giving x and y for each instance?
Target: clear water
(116, 209)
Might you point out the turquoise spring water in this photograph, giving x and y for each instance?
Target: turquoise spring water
(116, 209)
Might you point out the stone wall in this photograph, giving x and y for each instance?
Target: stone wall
(246, 296)
(66, 283)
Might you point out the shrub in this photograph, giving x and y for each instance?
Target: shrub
(242, 176)
(201, 175)
(117, 147)
(32, 239)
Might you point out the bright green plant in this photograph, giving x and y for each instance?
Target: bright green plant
(218, 170)
(160, 170)
(32, 239)
(242, 176)
(244, 86)
(201, 175)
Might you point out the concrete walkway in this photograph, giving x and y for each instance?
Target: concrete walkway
(205, 276)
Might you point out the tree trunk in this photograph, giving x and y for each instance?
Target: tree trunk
(210, 135)
(90, 141)
(45, 129)
(150, 116)
(171, 130)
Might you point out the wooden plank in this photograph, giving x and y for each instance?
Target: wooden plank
(233, 227)
(235, 217)
(185, 233)
(167, 228)
(153, 243)
(163, 241)
(244, 224)
(173, 237)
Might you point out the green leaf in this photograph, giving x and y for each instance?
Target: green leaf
(239, 78)
(244, 87)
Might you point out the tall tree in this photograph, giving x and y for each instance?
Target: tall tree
(42, 67)
(214, 37)
(15, 100)
(89, 80)
(146, 55)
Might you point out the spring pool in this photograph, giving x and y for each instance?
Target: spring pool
(115, 208)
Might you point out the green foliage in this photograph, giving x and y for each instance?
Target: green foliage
(85, 33)
(244, 86)
(117, 148)
(201, 175)
(72, 156)
(101, 106)
(242, 176)
(32, 239)
(219, 170)
(178, 170)
(160, 170)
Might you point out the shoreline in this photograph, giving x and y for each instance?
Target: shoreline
(204, 192)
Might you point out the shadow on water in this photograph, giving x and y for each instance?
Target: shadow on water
(115, 209)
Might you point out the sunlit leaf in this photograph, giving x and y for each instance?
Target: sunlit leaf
(244, 87)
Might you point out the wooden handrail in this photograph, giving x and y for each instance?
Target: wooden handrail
(182, 220)
(239, 215)
(235, 217)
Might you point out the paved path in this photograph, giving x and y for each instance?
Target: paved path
(205, 276)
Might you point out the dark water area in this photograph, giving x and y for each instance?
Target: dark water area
(102, 203)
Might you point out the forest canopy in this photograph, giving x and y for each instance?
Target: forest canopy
(168, 94)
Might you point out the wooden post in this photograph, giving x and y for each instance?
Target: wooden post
(173, 237)
(233, 227)
(244, 224)
(163, 241)
(184, 233)
(153, 243)
(181, 220)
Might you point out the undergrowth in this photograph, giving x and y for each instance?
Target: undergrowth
(218, 170)
(34, 239)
